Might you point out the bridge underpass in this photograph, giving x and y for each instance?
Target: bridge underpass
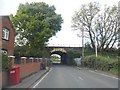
(63, 56)
(64, 52)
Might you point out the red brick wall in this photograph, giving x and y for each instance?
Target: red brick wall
(26, 69)
(29, 68)
(9, 45)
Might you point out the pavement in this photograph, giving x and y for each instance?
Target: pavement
(29, 81)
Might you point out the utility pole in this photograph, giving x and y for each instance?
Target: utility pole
(82, 44)
(95, 28)
(96, 42)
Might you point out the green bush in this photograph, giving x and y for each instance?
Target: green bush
(100, 63)
(6, 62)
(114, 71)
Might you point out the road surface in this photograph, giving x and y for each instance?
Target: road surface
(61, 76)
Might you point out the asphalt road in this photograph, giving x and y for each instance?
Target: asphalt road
(61, 76)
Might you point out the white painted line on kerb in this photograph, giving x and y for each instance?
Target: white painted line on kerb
(80, 78)
(42, 78)
(103, 74)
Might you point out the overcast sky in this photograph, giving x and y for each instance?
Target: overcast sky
(66, 37)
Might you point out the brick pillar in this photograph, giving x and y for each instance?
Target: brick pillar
(36, 60)
(39, 59)
(31, 59)
(23, 60)
(12, 59)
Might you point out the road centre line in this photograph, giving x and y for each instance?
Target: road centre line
(42, 79)
(103, 74)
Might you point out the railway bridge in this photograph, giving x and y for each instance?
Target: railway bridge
(63, 52)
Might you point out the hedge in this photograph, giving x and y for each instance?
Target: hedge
(100, 63)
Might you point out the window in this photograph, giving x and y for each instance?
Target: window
(5, 33)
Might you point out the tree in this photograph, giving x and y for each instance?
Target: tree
(35, 23)
(106, 27)
(82, 20)
(105, 23)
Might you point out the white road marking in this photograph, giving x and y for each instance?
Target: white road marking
(80, 78)
(42, 79)
(109, 76)
(103, 74)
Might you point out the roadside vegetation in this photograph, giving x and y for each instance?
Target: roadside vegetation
(105, 61)
(55, 59)
(6, 62)
(101, 63)
(35, 23)
(100, 27)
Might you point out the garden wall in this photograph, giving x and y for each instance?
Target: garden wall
(27, 67)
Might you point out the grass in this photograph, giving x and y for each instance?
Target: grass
(114, 71)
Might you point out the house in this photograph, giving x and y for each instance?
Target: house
(8, 35)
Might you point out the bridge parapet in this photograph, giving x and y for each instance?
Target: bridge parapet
(63, 49)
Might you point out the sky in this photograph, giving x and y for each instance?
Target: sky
(67, 8)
